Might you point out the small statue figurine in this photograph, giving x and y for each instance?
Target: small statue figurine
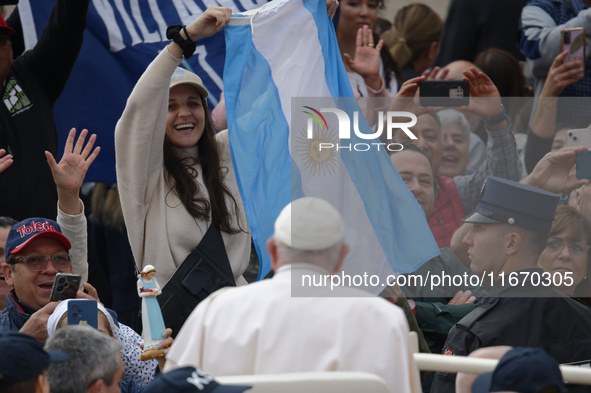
(152, 321)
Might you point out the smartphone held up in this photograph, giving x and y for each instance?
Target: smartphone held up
(83, 312)
(65, 286)
(573, 41)
(444, 93)
(581, 137)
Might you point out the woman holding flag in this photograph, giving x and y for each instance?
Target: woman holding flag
(174, 174)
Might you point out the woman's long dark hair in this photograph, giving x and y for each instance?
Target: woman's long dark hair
(180, 176)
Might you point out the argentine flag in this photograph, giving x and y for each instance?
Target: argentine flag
(282, 65)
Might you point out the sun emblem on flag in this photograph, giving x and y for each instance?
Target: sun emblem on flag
(318, 160)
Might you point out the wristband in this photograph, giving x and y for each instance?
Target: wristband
(493, 121)
(187, 45)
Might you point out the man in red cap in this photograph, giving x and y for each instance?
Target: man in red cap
(36, 250)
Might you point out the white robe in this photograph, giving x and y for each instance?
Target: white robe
(261, 329)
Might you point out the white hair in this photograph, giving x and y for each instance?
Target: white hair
(450, 116)
(327, 258)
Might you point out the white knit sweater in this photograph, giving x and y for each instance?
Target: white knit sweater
(161, 231)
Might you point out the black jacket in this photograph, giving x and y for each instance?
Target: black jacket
(473, 26)
(27, 126)
(528, 316)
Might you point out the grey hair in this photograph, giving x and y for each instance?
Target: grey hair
(450, 116)
(327, 258)
(93, 356)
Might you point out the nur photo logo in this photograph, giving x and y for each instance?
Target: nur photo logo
(390, 120)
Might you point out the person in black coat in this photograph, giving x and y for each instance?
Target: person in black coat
(32, 83)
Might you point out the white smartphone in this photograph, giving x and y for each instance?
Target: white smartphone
(581, 137)
(578, 137)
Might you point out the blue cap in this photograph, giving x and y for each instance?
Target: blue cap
(507, 202)
(523, 370)
(32, 228)
(27, 358)
(190, 380)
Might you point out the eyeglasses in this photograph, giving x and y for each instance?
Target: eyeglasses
(37, 263)
(556, 245)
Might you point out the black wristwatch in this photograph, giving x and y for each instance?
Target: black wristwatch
(493, 121)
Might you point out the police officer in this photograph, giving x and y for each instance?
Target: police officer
(509, 230)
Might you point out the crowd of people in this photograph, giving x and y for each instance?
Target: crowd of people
(499, 180)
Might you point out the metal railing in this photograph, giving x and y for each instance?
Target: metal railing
(452, 364)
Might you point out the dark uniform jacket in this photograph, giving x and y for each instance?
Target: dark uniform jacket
(433, 313)
(524, 316)
(27, 126)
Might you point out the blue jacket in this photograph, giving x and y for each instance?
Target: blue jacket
(131, 385)
(13, 317)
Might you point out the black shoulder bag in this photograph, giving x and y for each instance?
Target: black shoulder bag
(205, 270)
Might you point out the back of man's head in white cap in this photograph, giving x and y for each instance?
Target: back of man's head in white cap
(309, 224)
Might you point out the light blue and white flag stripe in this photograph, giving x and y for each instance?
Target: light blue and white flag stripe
(288, 49)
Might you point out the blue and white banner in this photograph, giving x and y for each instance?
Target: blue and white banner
(280, 57)
(122, 37)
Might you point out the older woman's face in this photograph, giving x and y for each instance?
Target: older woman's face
(454, 159)
(186, 116)
(566, 254)
(355, 14)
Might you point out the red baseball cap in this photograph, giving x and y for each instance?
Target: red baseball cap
(24, 232)
(4, 28)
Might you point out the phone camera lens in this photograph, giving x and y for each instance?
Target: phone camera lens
(60, 288)
(574, 138)
(74, 315)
